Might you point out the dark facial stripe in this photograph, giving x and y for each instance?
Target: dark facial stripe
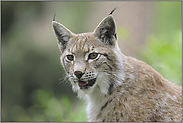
(110, 89)
(106, 56)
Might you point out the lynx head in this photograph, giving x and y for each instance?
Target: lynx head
(90, 59)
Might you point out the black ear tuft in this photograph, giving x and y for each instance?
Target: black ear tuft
(113, 11)
(54, 16)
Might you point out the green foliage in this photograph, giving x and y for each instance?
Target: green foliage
(56, 109)
(164, 48)
(46, 107)
(164, 54)
(122, 32)
(168, 16)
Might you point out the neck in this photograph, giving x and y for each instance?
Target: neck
(95, 100)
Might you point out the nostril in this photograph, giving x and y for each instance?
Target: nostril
(78, 74)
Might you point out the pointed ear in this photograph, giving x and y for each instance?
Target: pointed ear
(63, 35)
(106, 31)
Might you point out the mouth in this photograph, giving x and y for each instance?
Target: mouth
(86, 84)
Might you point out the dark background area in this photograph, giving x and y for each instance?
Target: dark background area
(33, 84)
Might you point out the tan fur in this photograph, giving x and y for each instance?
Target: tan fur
(124, 88)
(148, 97)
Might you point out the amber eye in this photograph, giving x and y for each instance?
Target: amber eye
(93, 55)
(70, 57)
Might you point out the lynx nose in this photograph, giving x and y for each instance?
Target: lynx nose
(78, 74)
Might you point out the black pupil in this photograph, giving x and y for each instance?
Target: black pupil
(70, 57)
(93, 55)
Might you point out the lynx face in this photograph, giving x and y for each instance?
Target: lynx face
(89, 59)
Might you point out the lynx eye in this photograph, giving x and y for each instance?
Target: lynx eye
(93, 55)
(70, 57)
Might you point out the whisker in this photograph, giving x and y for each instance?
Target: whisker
(63, 80)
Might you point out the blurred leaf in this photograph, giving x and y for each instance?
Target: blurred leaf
(122, 33)
(164, 53)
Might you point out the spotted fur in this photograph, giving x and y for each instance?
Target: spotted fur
(117, 87)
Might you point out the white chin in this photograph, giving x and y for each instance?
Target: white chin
(86, 91)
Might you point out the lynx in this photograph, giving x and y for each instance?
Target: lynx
(117, 87)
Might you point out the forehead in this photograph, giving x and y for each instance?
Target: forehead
(84, 42)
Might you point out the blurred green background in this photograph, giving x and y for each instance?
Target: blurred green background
(33, 85)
